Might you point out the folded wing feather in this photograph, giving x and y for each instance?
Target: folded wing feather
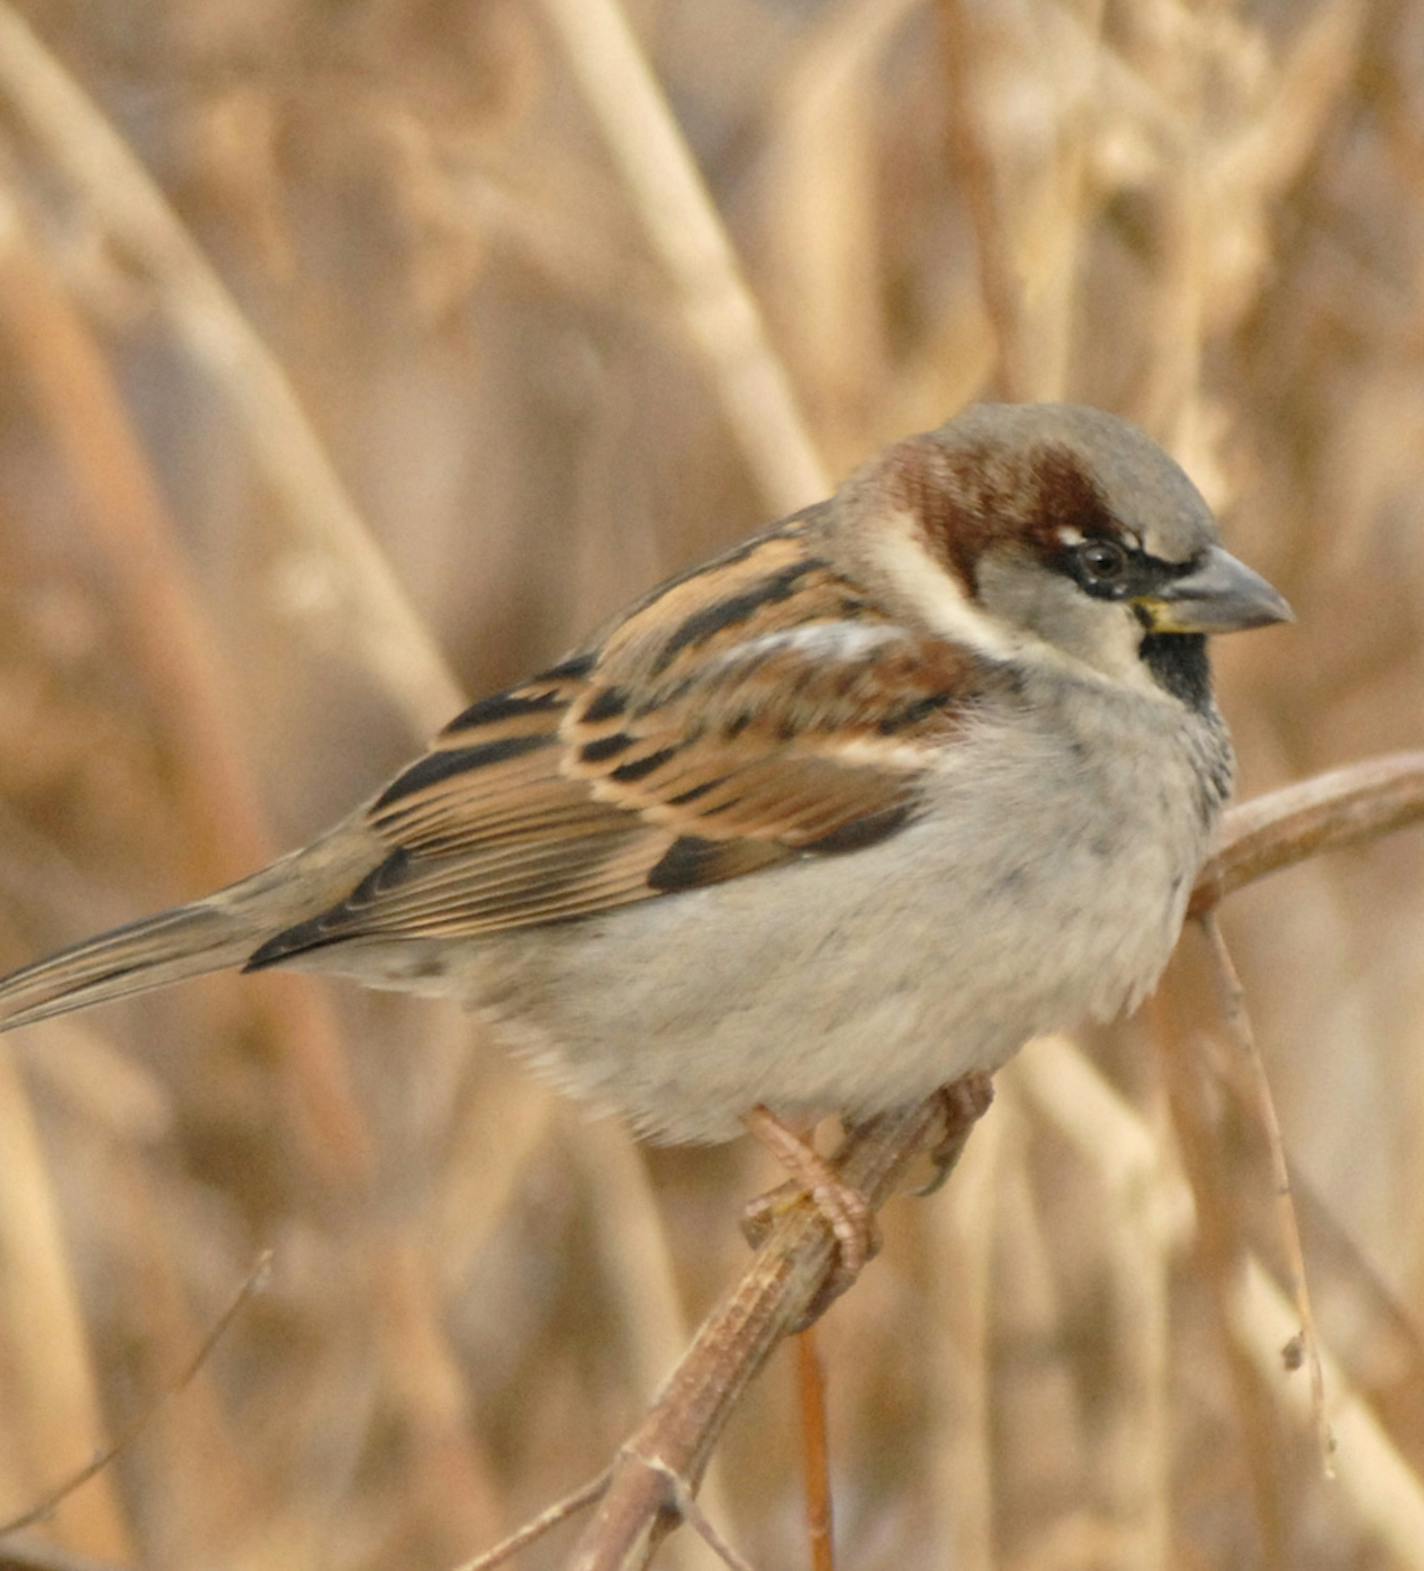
(597, 785)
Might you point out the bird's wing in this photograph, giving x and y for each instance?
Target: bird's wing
(690, 748)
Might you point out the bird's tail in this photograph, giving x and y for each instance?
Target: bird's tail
(192, 940)
(189, 941)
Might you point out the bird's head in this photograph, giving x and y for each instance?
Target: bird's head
(1053, 533)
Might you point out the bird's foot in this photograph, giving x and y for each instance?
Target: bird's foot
(962, 1105)
(812, 1177)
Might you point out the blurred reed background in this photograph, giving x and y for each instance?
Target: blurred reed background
(471, 265)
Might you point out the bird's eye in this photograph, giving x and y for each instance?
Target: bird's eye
(1103, 561)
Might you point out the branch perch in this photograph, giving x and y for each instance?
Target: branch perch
(1342, 808)
(666, 1454)
(775, 1296)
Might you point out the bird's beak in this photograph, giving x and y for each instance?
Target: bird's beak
(1221, 596)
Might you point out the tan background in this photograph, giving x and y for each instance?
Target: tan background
(1207, 216)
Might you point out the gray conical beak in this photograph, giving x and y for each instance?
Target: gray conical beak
(1221, 596)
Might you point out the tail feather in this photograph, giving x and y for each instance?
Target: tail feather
(210, 935)
(189, 941)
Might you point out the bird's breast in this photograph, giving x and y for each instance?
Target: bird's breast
(1042, 882)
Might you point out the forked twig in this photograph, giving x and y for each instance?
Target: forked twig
(548, 1519)
(775, 1296)
(687, 1509)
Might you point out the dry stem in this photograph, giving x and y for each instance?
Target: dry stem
(171, 641)
(369, 607)
(253, 1283)
(998, 286)
(1341, 808)
(1238, 1024)
(670, 201)
(774, 1296)
(1219, 1250)
(811, 1385)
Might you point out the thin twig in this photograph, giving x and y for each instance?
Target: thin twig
(1383, 1485)
(549, 1518)
(815, 1441)
(1111, 1137)
(255, 1281)
(1220, 1252)
(1238, 1024)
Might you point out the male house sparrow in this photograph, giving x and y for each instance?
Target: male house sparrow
(817, 827)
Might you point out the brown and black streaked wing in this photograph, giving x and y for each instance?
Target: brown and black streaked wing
(486, 823)
(813, 739)
(697, 747)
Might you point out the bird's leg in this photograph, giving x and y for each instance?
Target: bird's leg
(962, 1104)
(846, 1209)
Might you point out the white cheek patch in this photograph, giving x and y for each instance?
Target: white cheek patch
(937, 595)
(1120, 656)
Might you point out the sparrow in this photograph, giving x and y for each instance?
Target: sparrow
(818, 827)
